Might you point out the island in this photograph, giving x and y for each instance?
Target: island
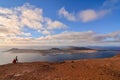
(69, 50)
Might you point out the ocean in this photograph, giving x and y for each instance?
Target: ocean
(6, 58)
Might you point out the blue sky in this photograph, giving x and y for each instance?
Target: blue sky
(60, 20)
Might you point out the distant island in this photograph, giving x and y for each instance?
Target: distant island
(69, 50)
(54, 50)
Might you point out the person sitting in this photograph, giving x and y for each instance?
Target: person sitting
(15, 60)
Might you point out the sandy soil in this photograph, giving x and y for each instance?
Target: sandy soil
(89, 69)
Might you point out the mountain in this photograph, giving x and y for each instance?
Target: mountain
(16, 50)
(54, 50)
(80, 48)
(13, 49)
(113, 48)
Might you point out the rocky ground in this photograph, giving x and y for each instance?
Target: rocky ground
(89, 69)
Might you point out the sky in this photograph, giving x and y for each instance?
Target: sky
(59, 23)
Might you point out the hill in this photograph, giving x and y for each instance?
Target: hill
(89, 69)
(53, 50)
(79, 48)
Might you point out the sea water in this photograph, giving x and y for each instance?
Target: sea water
(6, 57)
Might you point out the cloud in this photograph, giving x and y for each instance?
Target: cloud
(90, 14)
(51, 25)
(67, 39)
(87, 15)
(13, 20)
(110, 4)
(84, 16)
(46, 32)
(69, 16)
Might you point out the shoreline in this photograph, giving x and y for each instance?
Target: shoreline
(58, 60)
(87, 69)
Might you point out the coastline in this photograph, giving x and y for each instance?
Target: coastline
(87, 69)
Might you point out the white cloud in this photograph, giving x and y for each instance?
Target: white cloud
(13, 20)
(90, 14)
(51, 25)
(46, 32)
(66, 39)
(110, 4)
(87, 15)
(30, 16)
(66, 14)
(84, 16)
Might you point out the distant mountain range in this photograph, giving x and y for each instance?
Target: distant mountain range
(53, 50)
(58, 50)
(79, 48)
(114, 48)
